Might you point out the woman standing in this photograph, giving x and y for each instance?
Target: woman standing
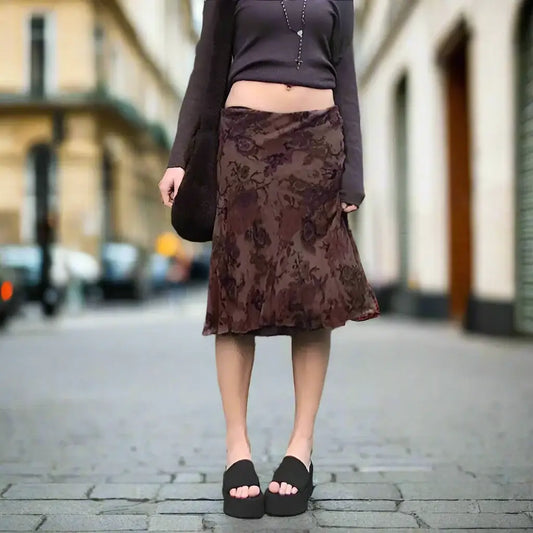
(284, 261)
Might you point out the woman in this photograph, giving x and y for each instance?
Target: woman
(283, 260)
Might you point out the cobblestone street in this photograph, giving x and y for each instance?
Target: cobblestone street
(111, 421)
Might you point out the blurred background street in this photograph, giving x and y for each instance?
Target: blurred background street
(109, 409)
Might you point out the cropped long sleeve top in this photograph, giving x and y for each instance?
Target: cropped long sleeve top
(264, 49)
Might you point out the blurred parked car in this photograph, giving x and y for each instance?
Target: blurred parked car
(68, 267)
(27, 260)
(125, 271)
(10, 294)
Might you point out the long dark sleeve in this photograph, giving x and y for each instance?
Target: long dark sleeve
(346, 96)
(189, 114)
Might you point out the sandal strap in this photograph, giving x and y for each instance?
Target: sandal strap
(239, 474)
(293, 471)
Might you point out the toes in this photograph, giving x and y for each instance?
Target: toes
(274, 486)
(245, 492)
(283, 488)
(294, 490)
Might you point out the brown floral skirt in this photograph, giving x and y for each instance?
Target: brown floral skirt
(283, 258)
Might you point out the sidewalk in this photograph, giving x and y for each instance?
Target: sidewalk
(112, 422)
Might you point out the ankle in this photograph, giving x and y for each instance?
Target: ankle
(237, 447)
(301, 439)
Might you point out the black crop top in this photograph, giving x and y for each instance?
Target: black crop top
(264, 49)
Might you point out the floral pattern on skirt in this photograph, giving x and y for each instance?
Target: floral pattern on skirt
(283, 257)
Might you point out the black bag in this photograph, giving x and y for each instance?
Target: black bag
(194, 207)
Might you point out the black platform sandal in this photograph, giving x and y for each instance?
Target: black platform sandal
(292, 471)
(242, 473)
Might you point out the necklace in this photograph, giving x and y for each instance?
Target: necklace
(299, 32)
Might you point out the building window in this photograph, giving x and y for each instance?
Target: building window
(38, 55)
(99, 56)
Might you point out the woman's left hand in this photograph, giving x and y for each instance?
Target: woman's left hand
(348, 208)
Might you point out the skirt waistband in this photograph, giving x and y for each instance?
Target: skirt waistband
(293, 114)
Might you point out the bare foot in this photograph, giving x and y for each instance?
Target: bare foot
(301, 449)
(236, 453)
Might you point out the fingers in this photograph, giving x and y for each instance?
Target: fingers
(348, 208)
(169, 185)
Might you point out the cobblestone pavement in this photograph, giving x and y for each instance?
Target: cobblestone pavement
(111, 421)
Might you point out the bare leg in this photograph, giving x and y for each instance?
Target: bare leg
(310, 357)
(235, 358)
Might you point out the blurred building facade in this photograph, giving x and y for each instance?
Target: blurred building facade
(446, 90)
(89, 99)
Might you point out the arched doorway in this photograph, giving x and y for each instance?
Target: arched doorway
(40, 191)
(524, 178)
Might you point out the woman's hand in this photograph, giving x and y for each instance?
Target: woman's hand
(348, 208)
(170, 183)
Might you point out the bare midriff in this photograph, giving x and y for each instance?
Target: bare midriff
(278, 97)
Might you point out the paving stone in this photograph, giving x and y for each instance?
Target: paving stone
(302, 522)
(355, 505)
(427, 476)
(189, 507)
(359, 477)
(506, 474)
(364, 519)
(368, 530)
(125, 491)
(439, 506)
(125, 507)
(355, 491)
(477, 530)
(10, 479)
(394, 466)
(502, 506)
(24, 468)
(479, 520)
(176, 523)
(47, 507)
(47, 491)
(92, 479)
(190, 491)
(190, 477)
(141, 479)
(72, 523)
(19, 523)
(471, 490)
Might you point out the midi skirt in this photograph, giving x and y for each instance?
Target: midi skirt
(283, 258)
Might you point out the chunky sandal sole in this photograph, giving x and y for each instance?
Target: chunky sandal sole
(239, 474)
(293, 471)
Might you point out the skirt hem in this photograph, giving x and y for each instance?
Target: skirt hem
(268, 330)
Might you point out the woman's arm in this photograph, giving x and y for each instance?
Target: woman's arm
(346, 96)
(189, 114)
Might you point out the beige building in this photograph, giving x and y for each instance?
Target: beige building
(89, 99)
(446, 230)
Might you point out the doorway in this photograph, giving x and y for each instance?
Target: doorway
(454, 60)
